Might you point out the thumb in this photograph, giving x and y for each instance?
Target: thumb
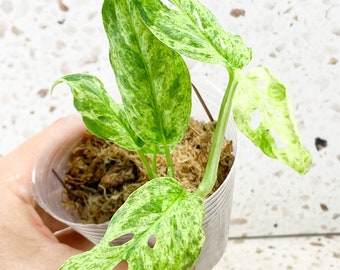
(17, 166)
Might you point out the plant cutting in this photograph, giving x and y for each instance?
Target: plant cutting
(161, 222)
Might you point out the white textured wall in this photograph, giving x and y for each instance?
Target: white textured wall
(298, 40)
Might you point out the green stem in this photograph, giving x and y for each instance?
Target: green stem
(210, 174)
(154, 162)
(171, 170)
(152, 174)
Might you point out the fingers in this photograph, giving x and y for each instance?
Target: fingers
(50, 222)
(77, 241)
(73, 239)
(28, 153)
(16, 168)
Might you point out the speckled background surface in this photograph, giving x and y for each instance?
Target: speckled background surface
(298, 40)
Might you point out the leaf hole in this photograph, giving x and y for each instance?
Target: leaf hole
(279, 142)
(121, 240)
(152, 241)
(255, 119)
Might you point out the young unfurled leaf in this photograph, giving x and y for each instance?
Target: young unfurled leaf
(192, 30)
(156, 93)
(102, 116)
(260, 94)
(158, 227)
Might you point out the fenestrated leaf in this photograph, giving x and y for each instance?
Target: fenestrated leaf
(158, 227)
(101, 114)
(192, 30)
(275, 132)
(153, 80)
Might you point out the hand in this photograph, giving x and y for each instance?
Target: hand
(29, 237)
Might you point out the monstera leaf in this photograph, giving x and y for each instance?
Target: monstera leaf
(156, 93)
(260, 94)
(158, 227)
(101, 114)
(192, 30)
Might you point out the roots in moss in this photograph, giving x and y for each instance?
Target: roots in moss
(101, 175)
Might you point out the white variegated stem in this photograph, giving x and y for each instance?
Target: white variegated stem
(151, 173)
(210, 174)
(154, 162)
(169, 162)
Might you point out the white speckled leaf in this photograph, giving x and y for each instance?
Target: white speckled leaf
(160, 210)
(275, 134)
(192, 30)
(101, 115)
(153, 80)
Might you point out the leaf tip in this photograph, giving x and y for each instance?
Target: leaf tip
(306, 163)
(55, 84)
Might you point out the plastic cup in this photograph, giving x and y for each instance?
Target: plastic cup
(218, 205)
(49, 192)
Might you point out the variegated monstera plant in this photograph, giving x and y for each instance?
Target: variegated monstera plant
(147, 39)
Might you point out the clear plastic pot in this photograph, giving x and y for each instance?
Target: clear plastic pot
(49, 193)
(218, 205)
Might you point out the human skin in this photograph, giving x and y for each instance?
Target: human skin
(29, 237)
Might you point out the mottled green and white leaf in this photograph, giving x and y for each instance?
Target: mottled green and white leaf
(192, 30)
(153, 80)
(160, 210)
(101, 114)
(274, 132)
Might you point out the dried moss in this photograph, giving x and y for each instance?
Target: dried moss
(101, 175)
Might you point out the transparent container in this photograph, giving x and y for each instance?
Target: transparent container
(218, 205)
(49, 193)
